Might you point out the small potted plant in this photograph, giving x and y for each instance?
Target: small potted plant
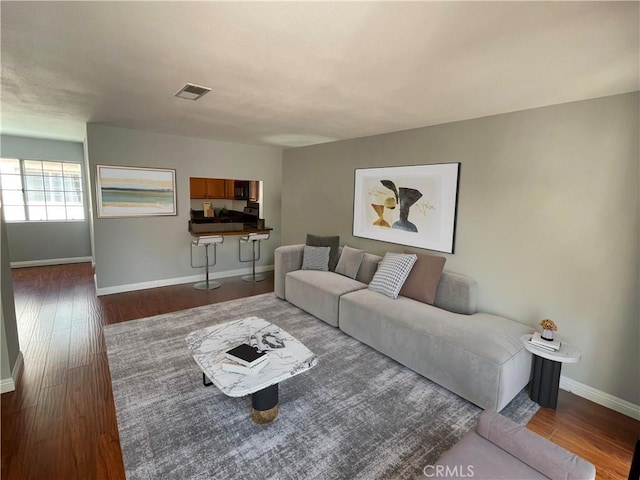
(548, 327)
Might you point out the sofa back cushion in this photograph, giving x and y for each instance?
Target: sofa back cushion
(457, 293)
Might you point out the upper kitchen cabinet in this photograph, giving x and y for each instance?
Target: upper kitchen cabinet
(224, 188)
(216, 188)
(198, 187)
(229, 189)
(207, 187)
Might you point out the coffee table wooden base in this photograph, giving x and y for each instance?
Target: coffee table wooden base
(264, 416)
(264, 405)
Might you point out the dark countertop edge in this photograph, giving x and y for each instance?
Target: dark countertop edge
(232, 232)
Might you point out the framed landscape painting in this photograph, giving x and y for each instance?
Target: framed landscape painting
(413, 205)
(135, 191)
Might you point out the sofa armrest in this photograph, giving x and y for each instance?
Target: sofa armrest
(541, 454)
(456, 293)
(287, 259)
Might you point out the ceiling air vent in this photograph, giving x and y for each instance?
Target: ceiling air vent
(192, 92)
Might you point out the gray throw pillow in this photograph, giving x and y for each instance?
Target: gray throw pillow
(349, 263)
(392, 272)
(333, 242)
(316, 258)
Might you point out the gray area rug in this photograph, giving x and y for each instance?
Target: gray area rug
(356, 415)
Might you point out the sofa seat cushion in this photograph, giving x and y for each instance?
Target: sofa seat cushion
(480, 357)
(319, 292)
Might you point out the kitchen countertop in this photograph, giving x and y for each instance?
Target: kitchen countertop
(247, 230)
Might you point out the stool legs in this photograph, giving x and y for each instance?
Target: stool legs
(207, 284)
(253, 277)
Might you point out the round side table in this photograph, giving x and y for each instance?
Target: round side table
(546, 370)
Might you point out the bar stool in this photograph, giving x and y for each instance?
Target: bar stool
(206, 241)
(253, 238)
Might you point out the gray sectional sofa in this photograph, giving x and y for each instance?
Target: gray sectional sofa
(476, 355)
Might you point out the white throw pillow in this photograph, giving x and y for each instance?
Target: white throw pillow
(392, 272)
(316, 258)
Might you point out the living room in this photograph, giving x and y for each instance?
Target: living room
(547, 217)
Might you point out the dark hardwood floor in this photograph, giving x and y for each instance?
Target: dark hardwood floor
(60, 421)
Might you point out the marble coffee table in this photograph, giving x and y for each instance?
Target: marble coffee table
(208, 347)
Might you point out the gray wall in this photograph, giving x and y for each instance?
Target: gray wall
(135, 250)
(547, 218)
(32, 241)
(9, 346)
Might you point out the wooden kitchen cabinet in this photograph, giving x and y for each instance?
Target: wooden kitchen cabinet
(207, 188)
(198, 187)
(216, 188)
(224, 188)
(229, 185)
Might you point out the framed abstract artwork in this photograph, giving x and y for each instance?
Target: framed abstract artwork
(413, 205)
(135, 191)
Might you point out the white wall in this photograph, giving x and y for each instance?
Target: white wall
(42, 241)
(547, 219)
(9, 345)
(131, 251)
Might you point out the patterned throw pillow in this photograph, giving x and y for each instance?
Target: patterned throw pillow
(316, 258)
(392, 271)
(333, 242)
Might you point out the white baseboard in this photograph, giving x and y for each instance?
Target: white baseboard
(50, 261)
(601, 398)
(176, 281)
(9, 384)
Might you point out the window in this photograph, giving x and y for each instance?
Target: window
(35, 190)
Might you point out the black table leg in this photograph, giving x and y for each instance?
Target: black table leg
(546, 381)
(264, 405)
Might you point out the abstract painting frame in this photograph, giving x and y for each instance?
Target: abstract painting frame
(408, 205)
(135, 191)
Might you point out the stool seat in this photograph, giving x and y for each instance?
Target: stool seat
(256, 236)
(253, 238)
(205, 241)
(208, 240)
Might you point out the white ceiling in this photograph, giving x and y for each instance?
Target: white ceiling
(299, 73)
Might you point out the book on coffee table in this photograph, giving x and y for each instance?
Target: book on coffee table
(234, 367)
(246, 355)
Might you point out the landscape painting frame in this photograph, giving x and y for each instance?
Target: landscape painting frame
(408, 205)
(135, 191)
